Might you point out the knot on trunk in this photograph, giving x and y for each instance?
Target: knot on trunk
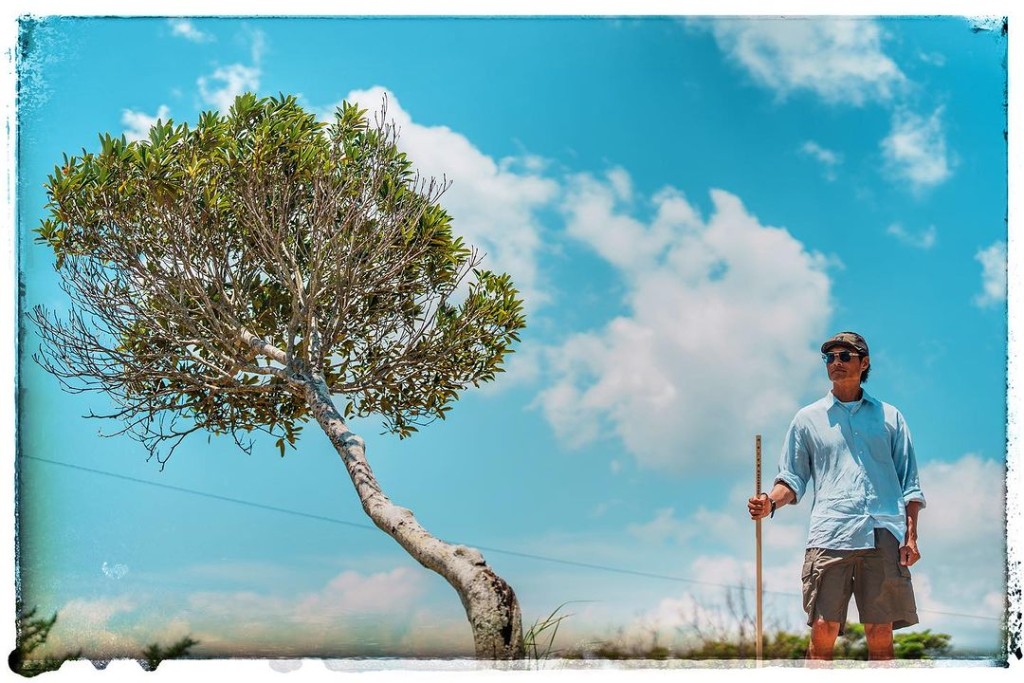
(471, 554)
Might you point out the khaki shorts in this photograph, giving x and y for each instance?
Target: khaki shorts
(874, 576)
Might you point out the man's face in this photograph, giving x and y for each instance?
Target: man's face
(845, 371)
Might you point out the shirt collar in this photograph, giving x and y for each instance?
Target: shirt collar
(831, 400)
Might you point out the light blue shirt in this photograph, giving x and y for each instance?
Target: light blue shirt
(862, 463)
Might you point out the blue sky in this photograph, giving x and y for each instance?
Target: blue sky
(689, 206)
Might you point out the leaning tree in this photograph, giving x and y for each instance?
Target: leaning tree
(243, 275)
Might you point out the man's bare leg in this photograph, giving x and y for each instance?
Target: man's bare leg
(823, 639)
(879, 638)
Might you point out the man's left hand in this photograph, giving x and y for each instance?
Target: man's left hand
(909, 553)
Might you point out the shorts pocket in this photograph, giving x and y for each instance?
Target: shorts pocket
(904, 570)
(810, 555)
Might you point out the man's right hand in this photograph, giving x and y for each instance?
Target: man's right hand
(759, 506)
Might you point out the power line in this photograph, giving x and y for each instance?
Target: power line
(203, 494)
(514, 553)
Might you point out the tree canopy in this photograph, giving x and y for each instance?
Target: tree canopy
(210, 266)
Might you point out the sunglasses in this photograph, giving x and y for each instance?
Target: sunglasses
(844, 356)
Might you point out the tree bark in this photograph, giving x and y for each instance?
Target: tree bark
(490, 603)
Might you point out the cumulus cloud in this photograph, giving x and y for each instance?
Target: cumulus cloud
(915, 150)
(963, 548)
(839, 59)
(349, 592)
(828, 158)
(352, 614)
(723, 316)
(842, 61)
(727, 525)
(183, 28)
(137, 124)
(226, 83)
(220, 88)
(977, 520)
(86, 625)
(663, 527)
(493, 202)
(993, 274)
(923, 239)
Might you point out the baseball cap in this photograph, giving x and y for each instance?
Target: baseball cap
(850, 340)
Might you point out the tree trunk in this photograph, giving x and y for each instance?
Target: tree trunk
(490, 603)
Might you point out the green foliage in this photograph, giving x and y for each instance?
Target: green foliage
(540, 629)
(779, 645)
(32, 633)
(852, 644)
(921, 645)
(317, 238)
(154, 654)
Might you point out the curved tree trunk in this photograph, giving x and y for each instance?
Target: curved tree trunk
(490, 603)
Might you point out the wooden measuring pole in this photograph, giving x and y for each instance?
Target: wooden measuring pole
(759, 648)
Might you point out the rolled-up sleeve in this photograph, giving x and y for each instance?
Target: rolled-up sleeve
(795, 461)
(906, 462)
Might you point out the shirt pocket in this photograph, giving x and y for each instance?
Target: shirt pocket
(873, 435)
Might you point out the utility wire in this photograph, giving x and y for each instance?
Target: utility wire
(202, 494)
(369, 527)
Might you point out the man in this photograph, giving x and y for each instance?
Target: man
(863, 532)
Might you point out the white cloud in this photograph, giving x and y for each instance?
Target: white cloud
(727, 526)
(350, 591)
(257, 46)
(228, 82)
(718, 341)
(915, 150)
(963, 549)
(822, 154)
(839, 59)
(94, 612)
(346, 594)
(663, 527)
(183, 28)
(137, 123)
(354, 613)
(993, 274)
(826, 157)
(522, 368)
(842, 61)
(977, 518)
(492, 202)
(924, 239)
(85, 624)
